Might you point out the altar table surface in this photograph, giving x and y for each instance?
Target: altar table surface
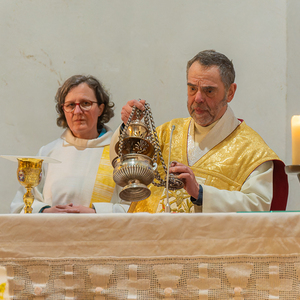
(152, 256)
(54, 235)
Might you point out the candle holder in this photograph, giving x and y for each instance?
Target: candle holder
(293, 169)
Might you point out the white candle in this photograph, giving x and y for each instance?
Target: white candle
(295, 140)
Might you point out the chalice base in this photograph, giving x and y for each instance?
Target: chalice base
(135, 191)
(28, 209)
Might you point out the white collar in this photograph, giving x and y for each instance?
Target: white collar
(71, 140)
(215, 134)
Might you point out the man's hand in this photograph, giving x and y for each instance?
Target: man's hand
(126, 109)
(186, 174)
(68, 209)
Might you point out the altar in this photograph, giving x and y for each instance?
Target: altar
(143, 256)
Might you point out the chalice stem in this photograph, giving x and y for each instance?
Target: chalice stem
(28, 200)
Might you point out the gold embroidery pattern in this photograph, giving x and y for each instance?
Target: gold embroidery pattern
(179, 202)
(104, 184)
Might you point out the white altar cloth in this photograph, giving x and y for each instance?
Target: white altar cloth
(161, 256)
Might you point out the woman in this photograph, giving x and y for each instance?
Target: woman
(82, 182)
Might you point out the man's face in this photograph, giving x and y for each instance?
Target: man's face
(207, 96)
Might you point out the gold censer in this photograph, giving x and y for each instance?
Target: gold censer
(29, 175)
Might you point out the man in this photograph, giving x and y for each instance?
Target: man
(225, 165)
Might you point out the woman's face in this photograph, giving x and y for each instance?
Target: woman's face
(82, 123)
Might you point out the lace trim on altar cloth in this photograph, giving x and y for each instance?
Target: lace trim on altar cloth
(227, 277)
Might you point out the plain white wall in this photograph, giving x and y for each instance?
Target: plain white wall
(293, 91)
(138, 49)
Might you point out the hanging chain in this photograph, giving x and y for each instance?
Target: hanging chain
(121, 139)
(155, 142)
(149, 122)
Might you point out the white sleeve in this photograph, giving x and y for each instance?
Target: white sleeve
(117, 205)
(255, 195)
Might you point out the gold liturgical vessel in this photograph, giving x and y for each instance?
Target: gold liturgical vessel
(138, 151)
(29, 175)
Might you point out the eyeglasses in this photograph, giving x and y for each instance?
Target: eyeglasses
(84, 105)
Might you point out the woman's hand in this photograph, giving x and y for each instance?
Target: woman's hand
(84, 210)
(68, 209)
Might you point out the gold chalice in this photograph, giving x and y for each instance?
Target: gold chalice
(29, 175)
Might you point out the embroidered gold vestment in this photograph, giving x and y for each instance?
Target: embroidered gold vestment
(226, 166)
(104, 184)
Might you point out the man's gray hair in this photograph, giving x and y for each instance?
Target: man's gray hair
(209, 58)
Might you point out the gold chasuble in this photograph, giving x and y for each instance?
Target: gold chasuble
(104, 184)
(226, 166)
